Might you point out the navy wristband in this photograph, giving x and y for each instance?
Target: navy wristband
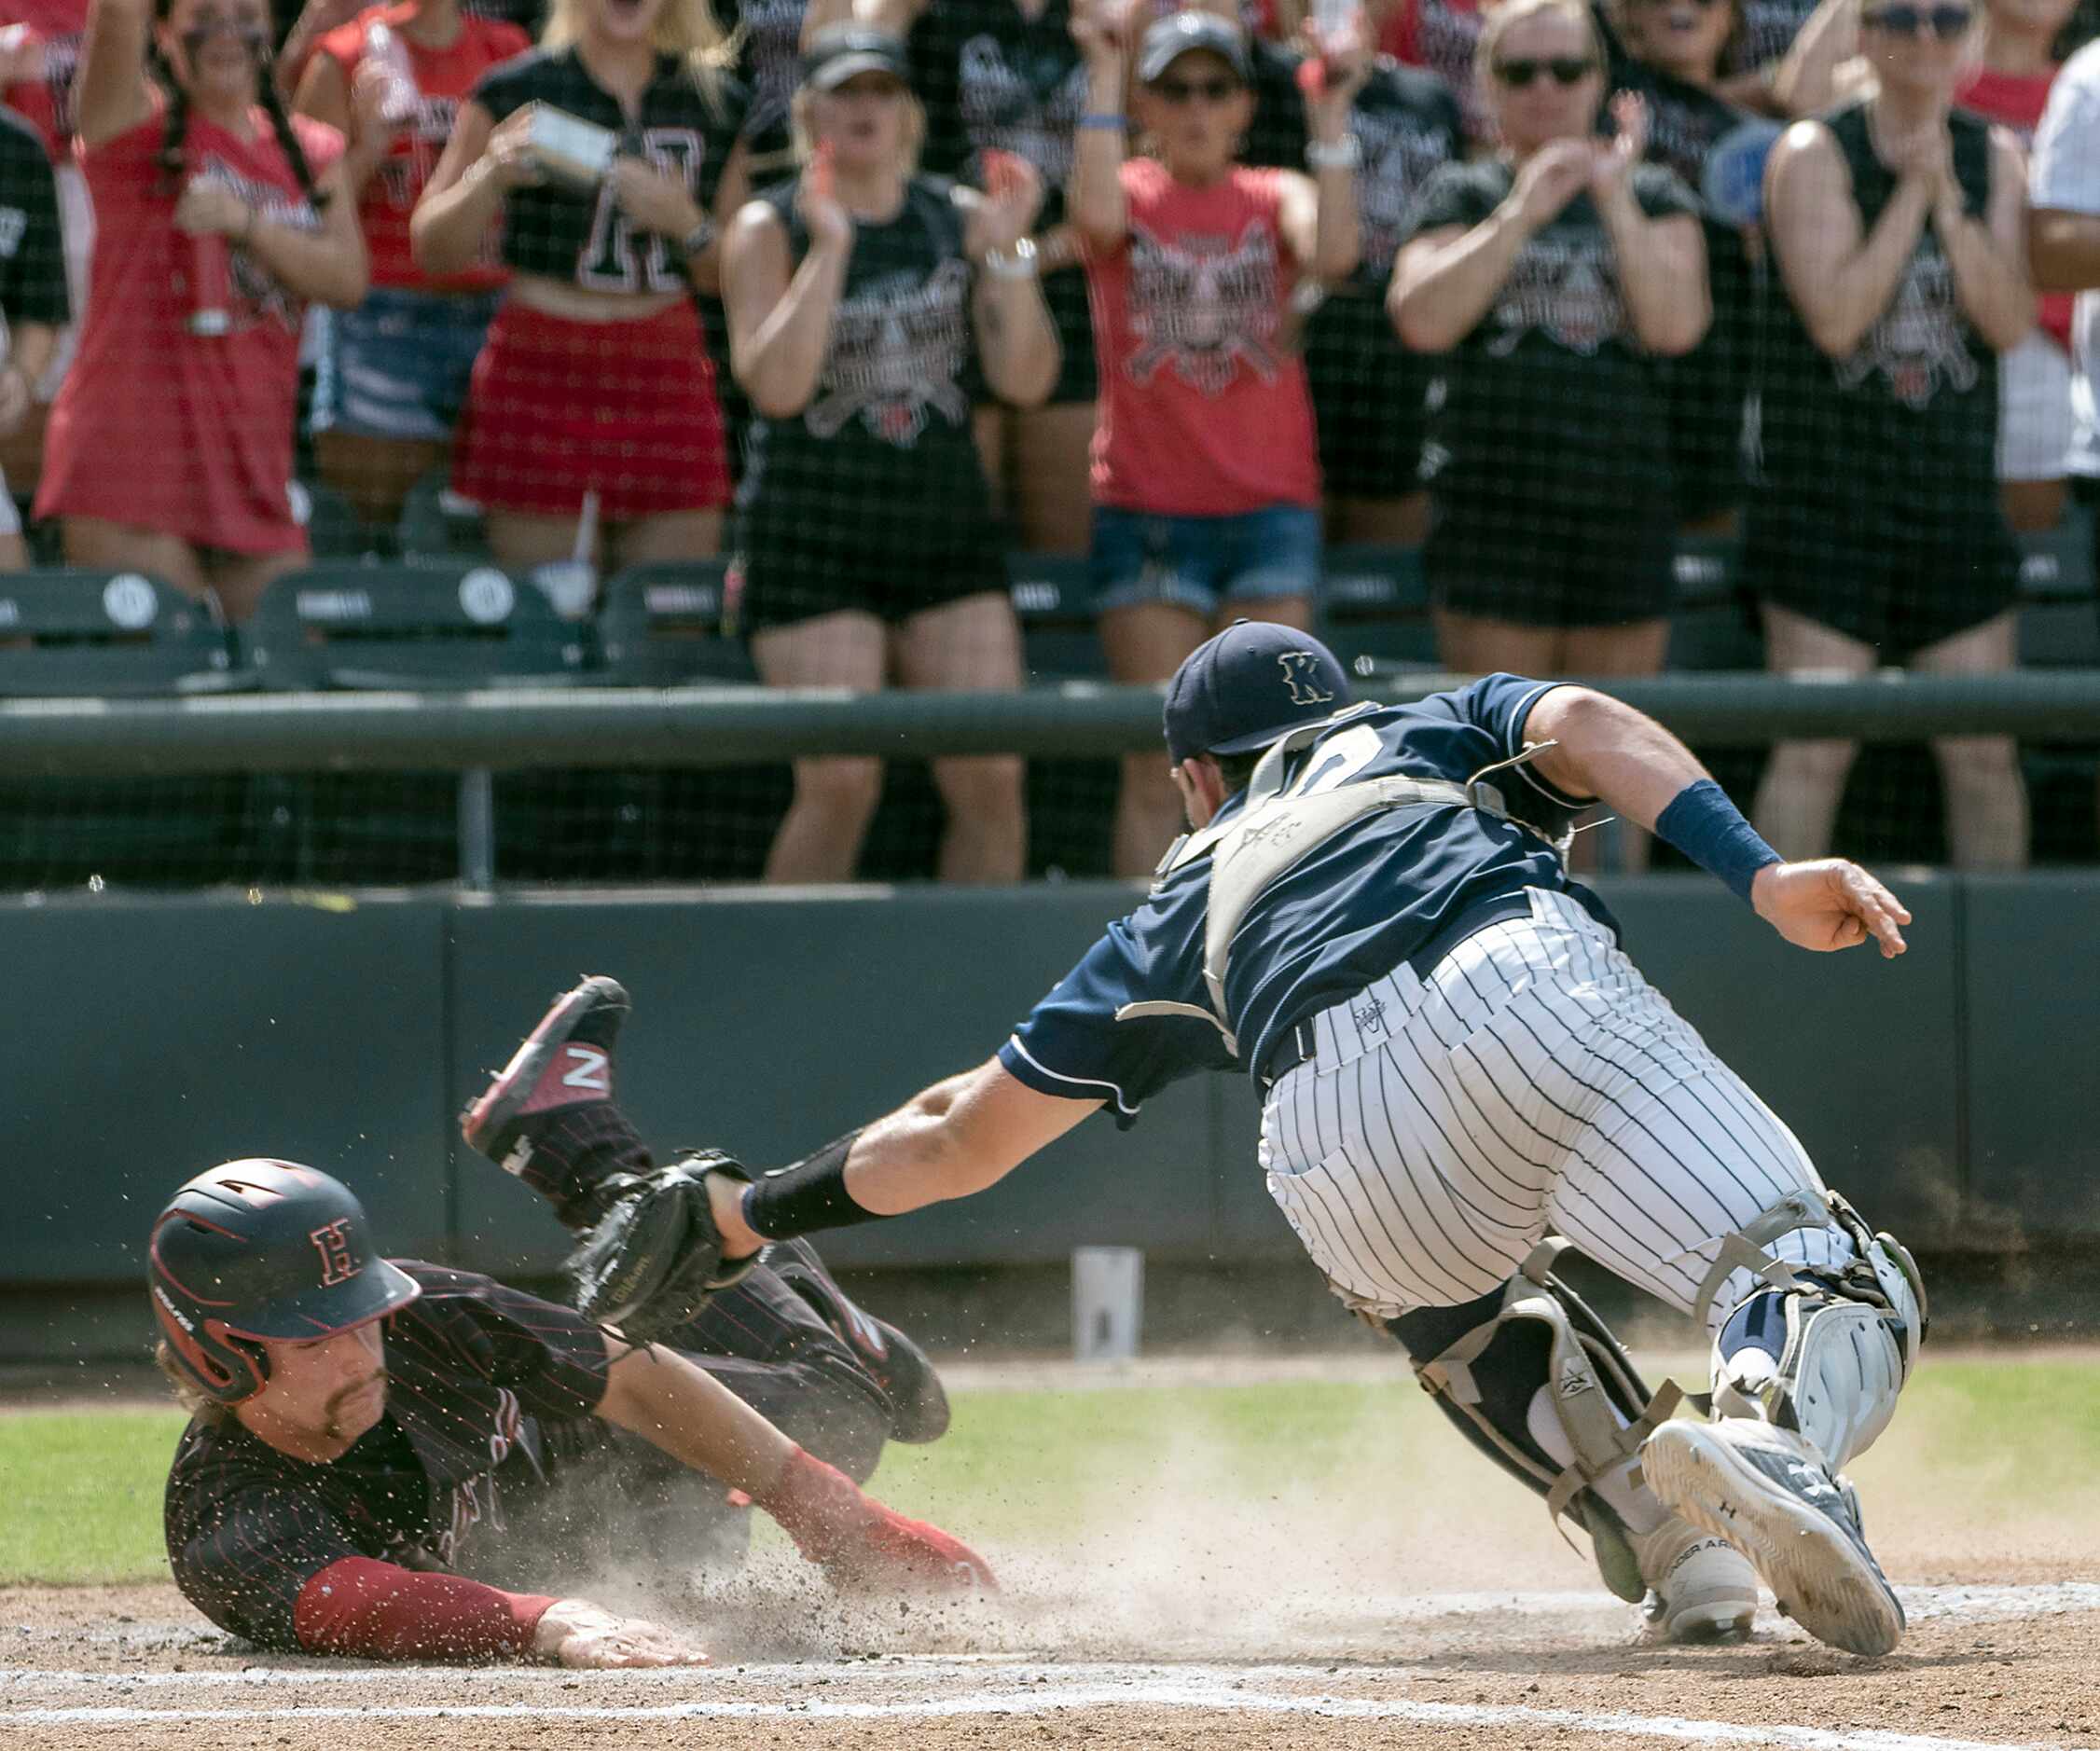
(1710, 829)
(806, 1197)
(1100, 120)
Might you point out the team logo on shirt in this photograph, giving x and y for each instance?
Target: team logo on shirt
(1919, 342)
(897, 346)
(1399, 154)
(256, 288)
(1566, 290)
(1005, 111)
(1203, 306)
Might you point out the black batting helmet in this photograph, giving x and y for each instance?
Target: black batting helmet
(262, 1249)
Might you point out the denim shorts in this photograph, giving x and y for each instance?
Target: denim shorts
(1203, 562)
(397, 366)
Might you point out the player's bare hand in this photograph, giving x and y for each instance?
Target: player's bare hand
(577, 1633)
(1828, 904)
(1551, 177)
(726, 1204)
(209, 208)
(653, 200)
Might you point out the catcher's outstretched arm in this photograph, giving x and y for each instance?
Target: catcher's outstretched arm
(962, 1135)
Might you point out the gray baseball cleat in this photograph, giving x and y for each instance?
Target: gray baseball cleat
(1767, 1491)
(1700, 1588)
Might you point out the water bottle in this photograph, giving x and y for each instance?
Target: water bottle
(207, 273)
(386, 51)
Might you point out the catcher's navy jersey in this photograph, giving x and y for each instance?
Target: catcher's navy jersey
(1379, 891)
(477, 1376)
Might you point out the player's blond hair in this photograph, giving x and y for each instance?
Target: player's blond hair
(687, 29)
(190, 1398)
(1500, 20)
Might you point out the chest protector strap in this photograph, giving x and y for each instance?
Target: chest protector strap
(1277, 829)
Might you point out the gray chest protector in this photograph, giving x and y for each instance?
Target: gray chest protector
(1278, 828)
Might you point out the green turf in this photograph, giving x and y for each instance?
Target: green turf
(82, 1489)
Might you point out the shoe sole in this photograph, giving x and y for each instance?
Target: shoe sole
(1822, 1581)
(502, 1100)
(1710, 1626)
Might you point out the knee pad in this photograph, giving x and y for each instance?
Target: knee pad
(1534, 1341)
(1824, 1352)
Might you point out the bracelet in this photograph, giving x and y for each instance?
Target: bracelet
(809, 1195)
(1709, 830)
(1119, 123)
(1344, 154)
(1020, 264)
(696, 240)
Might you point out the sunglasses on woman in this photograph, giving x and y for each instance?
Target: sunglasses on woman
(1214, 91)
(1566, 70)
(1945, 21)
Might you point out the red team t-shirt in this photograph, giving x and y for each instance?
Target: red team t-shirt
(1203, 410)
(46, 103)
(445, 77)
(158, 428)
(2016, 102)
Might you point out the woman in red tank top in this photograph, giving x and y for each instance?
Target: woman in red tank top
(170, 449)
(1206, 471)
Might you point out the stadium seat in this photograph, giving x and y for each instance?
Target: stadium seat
(413, 625)
(333, 528)
(82, 631)
(1053, 601)
(2057, 611)
(437, 524)
(660, 625)
(1378, 608)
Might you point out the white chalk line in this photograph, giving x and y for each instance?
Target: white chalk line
(1188, 1693)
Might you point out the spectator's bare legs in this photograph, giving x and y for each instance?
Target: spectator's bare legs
(94, 541)
(241, 578)
(374, 474)
(521, 542)
(1049, 500)
(14, 556)
(972, 646)
(1797, 803)
(1473, 644)
(1402, 522)
(819, 836)
(1986, 797)
(671, 535)
(1146, 643)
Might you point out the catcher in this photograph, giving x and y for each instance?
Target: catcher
(382, 1451)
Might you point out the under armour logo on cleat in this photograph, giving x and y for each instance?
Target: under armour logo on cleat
(588, 1071)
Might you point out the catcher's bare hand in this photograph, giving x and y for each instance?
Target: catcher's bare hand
(1828, 904)
(577, 1633)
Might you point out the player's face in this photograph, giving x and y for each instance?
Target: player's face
(1682, 36)
(863, 120)
(1197, 109)
(215, 47)
(324, 1393)
(1542, 109)
(622, 20)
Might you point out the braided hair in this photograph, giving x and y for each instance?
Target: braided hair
(174, 131)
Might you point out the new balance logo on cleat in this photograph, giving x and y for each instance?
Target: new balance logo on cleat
(588, 1071)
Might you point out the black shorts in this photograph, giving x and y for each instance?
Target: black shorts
(1368, 392)
(1559, 559)
(783, 572)
(1065, 292)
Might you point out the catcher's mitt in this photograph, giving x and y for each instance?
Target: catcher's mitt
(653, 1259)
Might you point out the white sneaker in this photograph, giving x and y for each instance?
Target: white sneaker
(1768, 1493)
(1700, 1588)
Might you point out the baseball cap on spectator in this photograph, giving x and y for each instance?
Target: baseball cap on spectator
(1252, 683)
(846, 51)
(1183, 33)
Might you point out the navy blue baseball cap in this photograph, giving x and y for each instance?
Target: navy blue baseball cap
(1252, 683)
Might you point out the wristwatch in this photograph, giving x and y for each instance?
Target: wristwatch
(1020, 263)
(696, 240)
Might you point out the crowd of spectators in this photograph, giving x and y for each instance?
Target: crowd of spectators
(861, 293)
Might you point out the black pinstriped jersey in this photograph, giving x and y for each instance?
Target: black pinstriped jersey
(478, 1374)
(562, 234)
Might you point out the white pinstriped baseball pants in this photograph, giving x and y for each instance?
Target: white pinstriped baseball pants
(1535, 1082)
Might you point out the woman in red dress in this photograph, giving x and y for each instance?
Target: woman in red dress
(170, 449)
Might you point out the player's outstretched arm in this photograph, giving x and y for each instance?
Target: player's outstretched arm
(1602, 748)
(577, 1634)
